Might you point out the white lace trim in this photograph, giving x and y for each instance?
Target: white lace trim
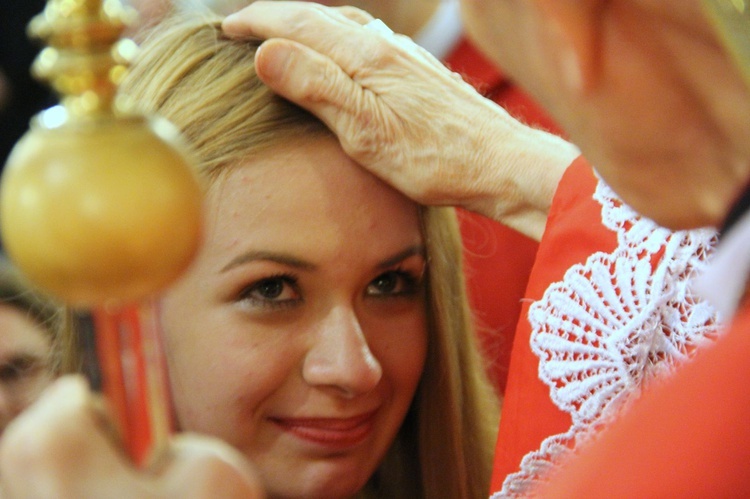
(614, 324)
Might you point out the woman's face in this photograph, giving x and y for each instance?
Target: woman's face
(299, 334)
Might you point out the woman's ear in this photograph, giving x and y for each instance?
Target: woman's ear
(575, 29)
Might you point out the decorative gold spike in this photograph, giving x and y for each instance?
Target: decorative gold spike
(99, 207)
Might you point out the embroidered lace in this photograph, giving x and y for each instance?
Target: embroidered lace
(612, 326)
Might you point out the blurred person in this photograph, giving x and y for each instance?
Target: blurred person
(29, 356)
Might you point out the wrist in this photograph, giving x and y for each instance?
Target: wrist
(520, 168)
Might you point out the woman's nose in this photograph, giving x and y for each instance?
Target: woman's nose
(340, 356)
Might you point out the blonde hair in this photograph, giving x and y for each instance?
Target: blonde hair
(204, 83)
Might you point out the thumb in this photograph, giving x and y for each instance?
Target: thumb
(206, 467)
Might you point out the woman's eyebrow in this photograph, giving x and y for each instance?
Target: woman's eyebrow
(417, 249)
(270, 256)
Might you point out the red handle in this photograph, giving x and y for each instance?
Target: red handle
(133, 378)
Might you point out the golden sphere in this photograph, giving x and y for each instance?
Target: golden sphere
(100, 213)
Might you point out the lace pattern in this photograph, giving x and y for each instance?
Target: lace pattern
(612, 326)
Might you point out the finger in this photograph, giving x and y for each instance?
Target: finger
(325, 30)
(263, 17)
(36, 450)
(359, 16)
(330, 31)
(36, 457)
(206, 467)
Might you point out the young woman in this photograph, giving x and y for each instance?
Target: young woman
(323, 330)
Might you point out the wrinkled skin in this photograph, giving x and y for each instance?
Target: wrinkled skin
(626, 78)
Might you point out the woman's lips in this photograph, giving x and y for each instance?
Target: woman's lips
(331, 432)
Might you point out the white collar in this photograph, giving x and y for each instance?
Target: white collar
(723, 284)
(442, 32)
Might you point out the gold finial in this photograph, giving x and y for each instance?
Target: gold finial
(97, 204)
(85, 57)
(100, 208)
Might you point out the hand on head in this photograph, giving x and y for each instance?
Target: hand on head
(402, 114)
(633, 82)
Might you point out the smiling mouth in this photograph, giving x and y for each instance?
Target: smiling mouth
(330, 432)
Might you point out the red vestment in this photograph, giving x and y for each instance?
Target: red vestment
(497, 259)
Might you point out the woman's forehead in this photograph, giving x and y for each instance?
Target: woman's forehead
(308, 194)
(316, 172)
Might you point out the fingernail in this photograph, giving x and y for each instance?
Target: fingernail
(229, 20)
(272, 60)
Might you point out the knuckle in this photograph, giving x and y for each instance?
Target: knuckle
(368, 131)
(355, 14)
(363, 146)
(381, 56)
(312, 83)
(301, 20)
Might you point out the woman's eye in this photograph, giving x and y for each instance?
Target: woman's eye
(17, 369)
(393, 283)
(272, 292)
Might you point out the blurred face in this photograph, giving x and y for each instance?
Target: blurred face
(299, 334)
(24, 365)
(643, 87)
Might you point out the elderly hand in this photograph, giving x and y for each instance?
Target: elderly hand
(400, 113)
(61, 448)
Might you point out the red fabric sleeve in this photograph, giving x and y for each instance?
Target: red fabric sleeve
(687, 437)
(574, 232)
